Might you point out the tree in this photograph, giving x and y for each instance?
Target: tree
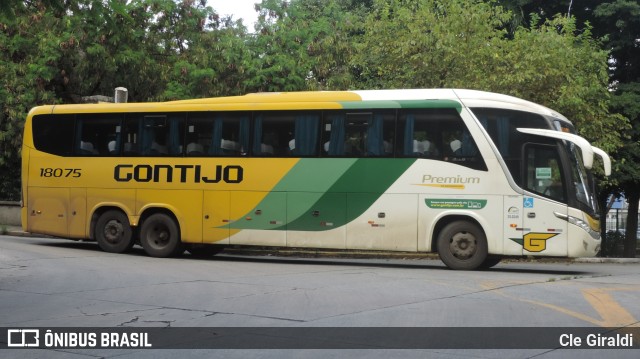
(621, 18)
(59, 51)
(627, 175)
(130, 43)
(428, 43)
(215, 62)
(617, 23)
(465, 44)
(29, 38)
(303, 44)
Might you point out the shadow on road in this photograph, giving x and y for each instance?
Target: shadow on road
(372, 259)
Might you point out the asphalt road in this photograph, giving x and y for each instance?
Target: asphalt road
(48, 283)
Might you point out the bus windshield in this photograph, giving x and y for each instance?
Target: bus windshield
(581, 180)
(500, 125)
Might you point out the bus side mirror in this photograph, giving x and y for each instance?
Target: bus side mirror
(606, 160)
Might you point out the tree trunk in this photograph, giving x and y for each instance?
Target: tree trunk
(632, 224)
(605, 199)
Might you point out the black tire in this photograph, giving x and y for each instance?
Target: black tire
(113, 232)
(462, 245)
(204, 250)
(490, 262)
(160, 236)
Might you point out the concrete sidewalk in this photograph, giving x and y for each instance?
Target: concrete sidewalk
(16, 231)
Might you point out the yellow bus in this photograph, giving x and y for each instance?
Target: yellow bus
(472, 175)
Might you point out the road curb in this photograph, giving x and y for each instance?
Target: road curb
(18, 232)
(607, 260)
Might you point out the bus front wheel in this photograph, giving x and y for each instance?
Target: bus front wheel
(113, 232)
(160, 236)
(490, 262)
(462, 245)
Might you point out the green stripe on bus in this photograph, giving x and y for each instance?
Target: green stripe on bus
(413, 104)
(372, 175)
(319, 194)
(305, 183)
(314, 175)
(431, 104)
(367, 105)
(352, 194)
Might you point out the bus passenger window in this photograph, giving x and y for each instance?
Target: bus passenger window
(419, 131)
(379, 134)
(285, 134)
(86, 149)
(305, 135)
(154, 135)
(438, 134)
(217, 134)
(355, 133)
(130, 140)
(334, 134)
(98, 135)
(359, 134)
(53, 134)
(272, 133)
(452, 137)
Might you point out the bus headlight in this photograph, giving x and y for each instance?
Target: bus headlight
(580, 223)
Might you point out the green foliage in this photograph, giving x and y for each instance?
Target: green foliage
(59, 51)
(215, 64)
(304, 45)
(619, 20)
(29, 47)
(133, 44)
(430, 44)
(10, 179)
(464, 44)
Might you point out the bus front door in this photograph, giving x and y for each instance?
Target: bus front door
(544, 234)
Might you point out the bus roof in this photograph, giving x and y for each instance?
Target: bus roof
(317, 100)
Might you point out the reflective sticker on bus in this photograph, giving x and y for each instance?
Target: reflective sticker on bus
(534, 242)
(456, 203)
(528, 202)
(450, 182)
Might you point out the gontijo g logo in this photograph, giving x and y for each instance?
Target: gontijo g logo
(534, 242)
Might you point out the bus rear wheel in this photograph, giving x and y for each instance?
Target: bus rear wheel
(160, 236)
(113, 232)
(462, 245)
